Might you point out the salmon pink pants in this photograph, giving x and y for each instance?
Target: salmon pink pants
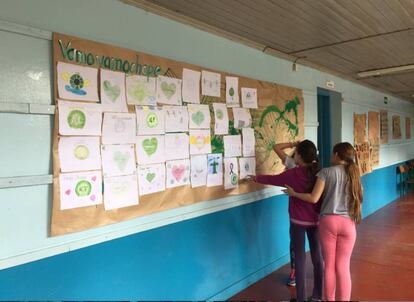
(337, 235)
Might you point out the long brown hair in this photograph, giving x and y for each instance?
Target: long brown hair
(309, 154)
(346, 152)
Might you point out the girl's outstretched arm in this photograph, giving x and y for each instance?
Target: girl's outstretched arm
(309, 197)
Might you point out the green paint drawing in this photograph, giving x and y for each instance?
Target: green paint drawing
(138, 91)
(76, 119)
(111, 91)
(231, 91)
(272, 117)
(81, 152)
(291, 105)
(150, 145)
(168, 89)
(121, 159)
(198, 118)
(217, 143)
(152, 120)
(219, 114)
(234, 179)
(83, 188)
(214, 164)
(150, 177)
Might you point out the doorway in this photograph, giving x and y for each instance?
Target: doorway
(330, 123)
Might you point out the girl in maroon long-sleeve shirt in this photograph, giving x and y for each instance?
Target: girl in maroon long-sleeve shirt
(303, 215)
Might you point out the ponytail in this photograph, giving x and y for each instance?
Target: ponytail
(309, 154)
(346, 152)
(355, 191)
(312, 169)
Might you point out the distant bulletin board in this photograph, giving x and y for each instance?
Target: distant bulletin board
(361, 144)
(373, 137)
(279, 117)
(396, 127)
(384, 126)
(408, 128)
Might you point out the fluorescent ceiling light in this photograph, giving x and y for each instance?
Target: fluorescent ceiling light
(384, 71)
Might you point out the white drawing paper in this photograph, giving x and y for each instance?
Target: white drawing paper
(177, 146)
(231, 173)
(200, 142)
(221, 119)
(191, 86)
(113, 91)
(120, 192)
(232, 145)
(210, 83)
(232, 92)
(150, 120)
(198, 171)
(178, 173)
(79, 118)
(76, 82)
(151, 179)
(150, 149)
(247, 166)
(214, 169)
(118, 160)
(249, 142)
(249, 97)
(168, 91)
(119, 128)
(199, 116)
(80, 189)
(79, 153)
(141, 90)
(242, 118)
(176, 118)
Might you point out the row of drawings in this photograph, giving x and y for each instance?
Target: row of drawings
(80, 83)
(83, 189)
(77, 153)
(76, 118)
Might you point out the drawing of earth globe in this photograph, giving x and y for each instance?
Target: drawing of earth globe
(76, 81)
(76, 84)
(81, 152)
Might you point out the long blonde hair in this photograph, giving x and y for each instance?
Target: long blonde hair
(346, 152)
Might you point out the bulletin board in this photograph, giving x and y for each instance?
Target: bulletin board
(373, 136)
(279, 118)
(408, 128)
(361, 144)
(384, 126)
(396, 127)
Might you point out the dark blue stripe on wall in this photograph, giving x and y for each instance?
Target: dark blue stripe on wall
(189, 260)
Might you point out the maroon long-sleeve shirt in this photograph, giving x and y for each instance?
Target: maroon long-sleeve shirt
(300, 212)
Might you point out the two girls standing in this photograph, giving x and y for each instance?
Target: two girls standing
(341, 191)
(340, 209)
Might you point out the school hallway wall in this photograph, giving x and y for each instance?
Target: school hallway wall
(213, 249)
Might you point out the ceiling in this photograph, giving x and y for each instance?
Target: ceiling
(343, 37)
